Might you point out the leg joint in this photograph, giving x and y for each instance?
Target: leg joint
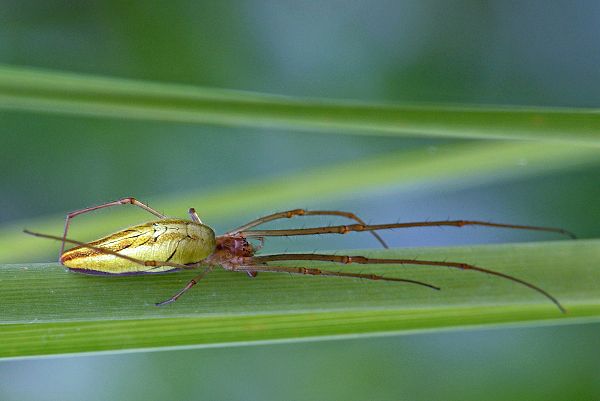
(295, 212)
(129, 200)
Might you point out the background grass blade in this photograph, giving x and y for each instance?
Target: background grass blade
(45, 310)
(67, 93)
(454, 165)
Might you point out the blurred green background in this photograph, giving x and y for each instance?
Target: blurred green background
(527, 53)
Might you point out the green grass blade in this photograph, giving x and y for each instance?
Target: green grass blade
(457, 166)
(45, 310)
(68, 93)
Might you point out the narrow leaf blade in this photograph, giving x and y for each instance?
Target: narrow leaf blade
(47, 311)
(68, 93)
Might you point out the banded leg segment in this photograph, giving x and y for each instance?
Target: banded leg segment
(302, 212)
(345, 259)
(343, 229)
(319, 272)
(124, 201)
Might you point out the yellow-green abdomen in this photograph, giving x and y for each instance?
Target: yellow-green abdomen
(170, 240)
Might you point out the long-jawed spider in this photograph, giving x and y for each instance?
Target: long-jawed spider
(167, 245)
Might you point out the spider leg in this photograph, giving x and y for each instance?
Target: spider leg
(343, 229)
(124, 201)
(194, 216)
(319, 272)
(345, 259)
(189, 285)
(302, 212)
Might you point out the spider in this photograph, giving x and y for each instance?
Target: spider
(168, 244)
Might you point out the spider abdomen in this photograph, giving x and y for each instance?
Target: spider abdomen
(169, 240)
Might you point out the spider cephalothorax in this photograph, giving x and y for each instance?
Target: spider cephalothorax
(232, 251)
